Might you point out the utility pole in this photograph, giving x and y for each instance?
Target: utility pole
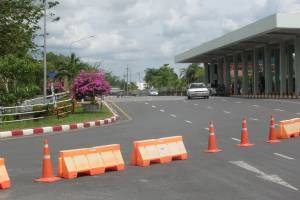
(45, 51)
(127, 80)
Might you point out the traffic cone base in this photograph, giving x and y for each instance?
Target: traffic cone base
(47, 180)
(272, 141)
(213, 150)
(245, 145)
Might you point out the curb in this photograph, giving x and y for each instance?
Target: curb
(59, 128)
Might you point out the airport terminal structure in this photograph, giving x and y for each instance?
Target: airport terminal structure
(262, 58)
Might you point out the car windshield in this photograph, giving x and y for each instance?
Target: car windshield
(197, 85)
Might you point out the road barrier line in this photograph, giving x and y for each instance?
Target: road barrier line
(284, 156)
(236, 139)
(277, 109)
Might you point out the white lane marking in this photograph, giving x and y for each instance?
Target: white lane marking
(146, 103)
(162, 110)
(153, 106)
(237, 102)
(209, 107)
(172, 115)
(284, 156)
(277, 109)
(236, 139)
(196, 104)
(206, 128)
(255, 105)
(268, 177)
(253, 119)
(227, 112)
(223, 99)
(286, 101)
(187, 121)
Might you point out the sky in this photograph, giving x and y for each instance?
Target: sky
(144, 34)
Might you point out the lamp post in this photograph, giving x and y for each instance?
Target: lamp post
(81, 39)
(45, 51)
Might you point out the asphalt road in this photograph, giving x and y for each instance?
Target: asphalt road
(260, 172)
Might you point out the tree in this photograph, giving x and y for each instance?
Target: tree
(19, 22)
(193, 73)
(90, 84)
(163, 78)
(18, 79)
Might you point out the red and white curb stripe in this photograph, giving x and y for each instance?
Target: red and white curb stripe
(57, 128)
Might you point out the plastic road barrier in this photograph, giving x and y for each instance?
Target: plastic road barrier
(162, 150)
(288, 128)
(91, 161)
(4, 178)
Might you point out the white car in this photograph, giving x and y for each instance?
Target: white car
(197, 90)
(153, 93)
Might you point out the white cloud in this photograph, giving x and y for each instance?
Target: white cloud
(148, 33)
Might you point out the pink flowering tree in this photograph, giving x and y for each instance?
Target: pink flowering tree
(90, 84)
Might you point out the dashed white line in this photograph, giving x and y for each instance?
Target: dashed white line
(274, 178)
(236, 139)
(255, 105)
(253, 119)
(172, 115)
(196, 104)
(209, 107)
(227, 112)
(206, 128)
(187, 121)
(284, 156)
(146, 103)
(162, 110)
(223, 99)
(277, 109)
(237, 102)
(153, 106)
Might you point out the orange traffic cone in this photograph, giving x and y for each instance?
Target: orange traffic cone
(272, 134)
(212, 145)
(47, 171)
(244, 135)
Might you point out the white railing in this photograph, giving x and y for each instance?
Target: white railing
(26, 112)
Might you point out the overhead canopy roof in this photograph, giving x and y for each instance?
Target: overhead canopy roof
(269, 30)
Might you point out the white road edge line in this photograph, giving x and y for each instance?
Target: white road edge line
(253, 119)
(172, 115)
(268, 177)
(284, 156)
(187, 121)
(236, 139)
(277, 109)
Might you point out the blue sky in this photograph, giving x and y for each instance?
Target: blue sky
(149, 33)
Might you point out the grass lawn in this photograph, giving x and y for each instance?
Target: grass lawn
(77, 117)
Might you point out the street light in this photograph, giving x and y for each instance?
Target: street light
(81, 39)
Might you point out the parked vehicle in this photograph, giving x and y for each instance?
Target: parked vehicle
(197, 90)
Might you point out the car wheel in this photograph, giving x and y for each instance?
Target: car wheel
(188, 97)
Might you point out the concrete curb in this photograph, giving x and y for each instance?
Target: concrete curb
(56, 128)
(59, 128)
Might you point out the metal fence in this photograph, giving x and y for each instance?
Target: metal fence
(31, 110)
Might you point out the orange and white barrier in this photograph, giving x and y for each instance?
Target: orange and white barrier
(288, 128)
(91, 161)
(162, 150)
(4, 178)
